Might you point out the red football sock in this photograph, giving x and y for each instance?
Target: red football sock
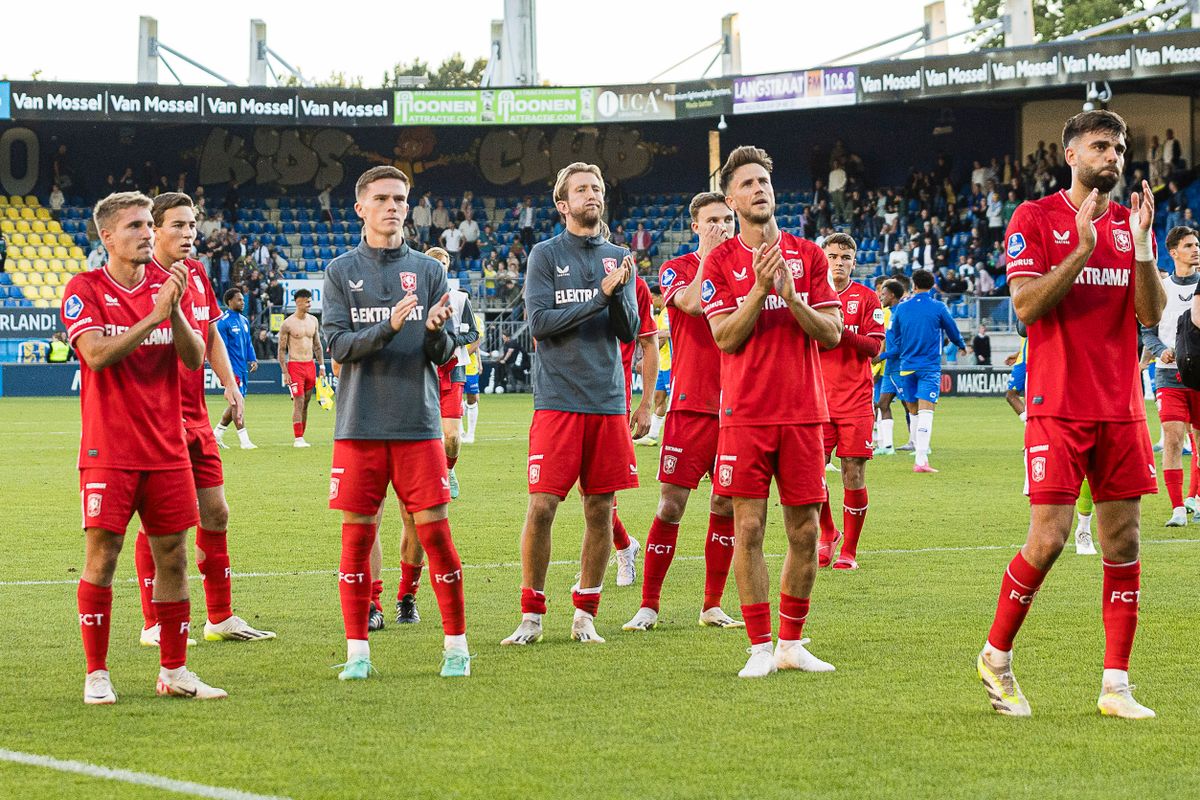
(660, 550)
(620, 535)
(143, 561)
(532, 601)
(828, 529)
(450, 462)
(792, 613)
(1122, 590)
(588, 601)
(354, 572)
(1173, 478)
(718, 554)
(214, 569)
(95, 612)
(410, 579)
(758, 622)
(854, 516)
(1017, 590)
(297, 429)
(445, 568)
(175, 617)
(376, 593)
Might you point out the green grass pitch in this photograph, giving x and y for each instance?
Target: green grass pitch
(659, 714)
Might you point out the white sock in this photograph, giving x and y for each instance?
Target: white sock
(1085, 523)
(922, 435)
(172, 674)
(996, 657)
(886, 427)
(472, 419)
(357, 648)
(458, 642)
(765, 647)
(220, 429)
(244, 435)
(656, 423)
(1115, 679)
(581, 614)
(1022, 417)
(534, 618)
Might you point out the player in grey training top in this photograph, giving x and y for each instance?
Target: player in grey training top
(580, 301)
(385, 315)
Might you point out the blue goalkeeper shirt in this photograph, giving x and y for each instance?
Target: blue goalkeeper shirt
(235, 332)
(915, 335)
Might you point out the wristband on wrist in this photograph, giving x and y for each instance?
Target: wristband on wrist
(1142, 249)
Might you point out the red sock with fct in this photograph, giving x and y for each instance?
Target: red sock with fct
(620, 535)
(660, 550)
(532, 601)
(792, 613)
(854, 516)
(214, 569)
(95, 611)
(354, 572)
(828, 529)
(587, 600)
(298, 429)
(1173, 478)
(376, 593)
(1122, 591)
(175, 619)
(718, 554)
(758, 622)
(143, 561)
(410, 579)
(445, 571)
(1017, 590)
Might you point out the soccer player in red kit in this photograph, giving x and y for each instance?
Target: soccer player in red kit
(174, 232)
(846, 370)
(1082, 271)
(689, 437)
(766, 292)
(626, 546)
(130, 330)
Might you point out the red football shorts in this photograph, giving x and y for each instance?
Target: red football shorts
(450, 392)
(363, 468)
(304, 377)
(593, 449)
(164, 499)
(206, 459)
(850, 435)
(1179, 405)
(1115, 457)
(689, 448)
(749, 455)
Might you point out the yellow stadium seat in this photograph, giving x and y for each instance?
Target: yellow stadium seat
(56, 302)
(38, 226)
(72, 265)
(60, 252)
(7, 227)
(16, 200)
(31, 200)
(60, 290)
(33, 238)
(3, 200)
(37, 279)
(23, 226)
(41, 303)
(43, 214)
(12, 213)
(75, 251)
(29, 251)
(27, 213)
(52, 278)
(44, 251)
(30, 292)
(47, 292)
(18, 239)
(40, 265)
(53, 226)
(20, 279)
(24, 265)
(65, 239)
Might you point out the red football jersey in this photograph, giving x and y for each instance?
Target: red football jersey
(1083, 354)
(645, 304)
(695, 374)
(774, 378)
(131, 410)
(849, 386)
(202, 302)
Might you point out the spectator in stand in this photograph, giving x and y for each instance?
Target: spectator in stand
(200, 201)
(325, 201)
(210, 225)
(278, 262)
(1176, 203)
(441, 220)
(57, 201)
(1154, 157)
(526, 218)
(618, 236)
(819, 191)
(232, 204)
(466, 205)
(275, 298)
(642, 241)
(410, 235)
(985, 284)
(265, 345)
(518, 252)
(924, 255)
(487, 242)
(162, 187)
(995, 215)
(262, 255)
(1172, 152)
(981, 346)
(469, 229)
(61, 169)
(507, 279)
(422, 217)
(127, 182)
(181, 184)
(452, 240)
(1009, 208)
(3, 252)
(837, 190)
(513, 263)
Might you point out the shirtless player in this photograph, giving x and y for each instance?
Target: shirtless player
(299, 337)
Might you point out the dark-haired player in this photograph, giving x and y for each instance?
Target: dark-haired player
(299, 343)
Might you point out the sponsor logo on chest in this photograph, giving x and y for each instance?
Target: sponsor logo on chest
(565, 297)
(367, 315)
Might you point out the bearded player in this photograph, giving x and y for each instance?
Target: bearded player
(579, 297)
(174, 218)
(1083, 275)
(767, 292)
(689, 442)
(131, 331)
(846, 371)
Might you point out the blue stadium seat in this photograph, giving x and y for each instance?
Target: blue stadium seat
(307, 240)
(309, 253)
(326, 253)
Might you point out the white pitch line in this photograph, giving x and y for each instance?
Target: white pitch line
(128, 776)
(516, 564)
